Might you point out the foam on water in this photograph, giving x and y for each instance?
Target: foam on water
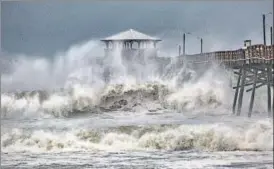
(210, 137)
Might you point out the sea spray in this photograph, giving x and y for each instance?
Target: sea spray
(122, 97)
(74, 84)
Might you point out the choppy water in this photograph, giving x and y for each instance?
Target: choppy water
(132, 141)
(137, 120)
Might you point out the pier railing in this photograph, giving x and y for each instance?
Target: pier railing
(255, 54)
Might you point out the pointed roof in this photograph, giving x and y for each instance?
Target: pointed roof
(130, 34)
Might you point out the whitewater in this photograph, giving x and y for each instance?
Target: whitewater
(59, 112)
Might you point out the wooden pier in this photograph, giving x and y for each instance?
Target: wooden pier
(254, 68)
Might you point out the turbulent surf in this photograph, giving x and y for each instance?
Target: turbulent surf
(67, 105)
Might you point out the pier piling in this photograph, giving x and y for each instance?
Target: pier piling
(241, 94)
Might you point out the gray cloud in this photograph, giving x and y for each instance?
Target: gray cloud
(44, 28)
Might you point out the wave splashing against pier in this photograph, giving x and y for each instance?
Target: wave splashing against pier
(149, 96)
(73, 83)
(66, 104)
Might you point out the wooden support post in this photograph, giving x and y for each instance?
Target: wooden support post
(273, 87)
(269, 90)
(271, 36)
(264, 83)
(264, 29)
(253, 94)
(240, 102)
(272, 72)
(237, 91)
(201, 45)
(184, 44)
(272, 97)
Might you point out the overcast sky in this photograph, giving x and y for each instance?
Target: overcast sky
(46, 27)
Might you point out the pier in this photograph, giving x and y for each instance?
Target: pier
(254, 67)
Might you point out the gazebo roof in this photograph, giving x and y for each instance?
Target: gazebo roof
(130, 35)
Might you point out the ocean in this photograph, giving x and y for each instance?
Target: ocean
(60, 113)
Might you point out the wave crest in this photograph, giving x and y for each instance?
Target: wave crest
(147, 96)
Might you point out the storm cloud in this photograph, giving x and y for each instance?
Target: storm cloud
(46, 27)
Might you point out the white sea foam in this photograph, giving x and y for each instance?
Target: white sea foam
(125, 97)
(212, 137)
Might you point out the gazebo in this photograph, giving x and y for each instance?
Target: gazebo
(130, 42)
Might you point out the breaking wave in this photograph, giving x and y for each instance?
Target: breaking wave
(74, 82)
(117, 97)
(211, 137)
